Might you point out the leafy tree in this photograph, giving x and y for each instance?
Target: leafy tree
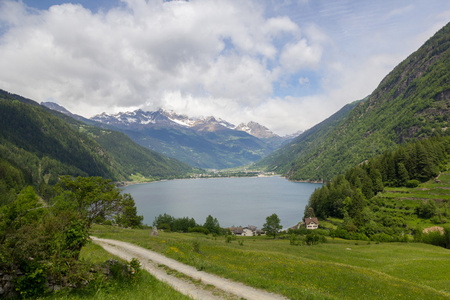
(427, 210)
(272, 225)
(212, 224)
(312, 238)
(92, 197)
(183, 224)
(164, 222)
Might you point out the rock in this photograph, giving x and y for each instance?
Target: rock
(7, 277)
(154, 231)
(2, 291)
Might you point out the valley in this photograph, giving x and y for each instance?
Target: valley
(202, 142)
(373, 178)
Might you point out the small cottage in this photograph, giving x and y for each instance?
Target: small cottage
(250, 230)
(247, 232)
(311, 223)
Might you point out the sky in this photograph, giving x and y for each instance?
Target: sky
(286, 64)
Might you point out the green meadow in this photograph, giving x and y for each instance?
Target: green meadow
(337, 269)
(144, 286)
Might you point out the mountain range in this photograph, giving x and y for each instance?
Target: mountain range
(412, 102)
(205, 142)
(44, 144)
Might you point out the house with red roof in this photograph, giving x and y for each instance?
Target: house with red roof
(311, 223)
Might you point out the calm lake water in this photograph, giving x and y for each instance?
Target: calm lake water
(233, 201)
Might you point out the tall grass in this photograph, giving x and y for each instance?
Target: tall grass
(143, 286)
(338, 269)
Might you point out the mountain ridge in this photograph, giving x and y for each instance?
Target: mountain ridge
(204, 142)
(152, 117)
(411, 102)
(46, 144)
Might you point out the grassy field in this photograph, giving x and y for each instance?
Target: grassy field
(338, 269)
(144, 287)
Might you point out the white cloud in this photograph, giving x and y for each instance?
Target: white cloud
(303, 80)
(300, 56)
(228, 58)
(135, 55)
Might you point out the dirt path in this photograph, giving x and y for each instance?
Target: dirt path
(150, 261)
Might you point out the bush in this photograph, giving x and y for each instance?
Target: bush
(199, 229)
(228, 238)
(32, 284)
(293, 239)
(381, 237)
(412, 183)
(312, 238)
(434, 238)
(427, 210)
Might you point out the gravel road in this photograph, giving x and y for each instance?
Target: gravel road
(150, 261)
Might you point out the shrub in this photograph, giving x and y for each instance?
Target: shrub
(434, 238)
(199, 229)
(447, 236)
(135, 266)
(382, 237)
(293, 239)
(312, 238)
(412, 183)
(427, 210)
(228, 238)
(32, 284)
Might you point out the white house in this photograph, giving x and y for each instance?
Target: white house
(247, 232)
(311, 223)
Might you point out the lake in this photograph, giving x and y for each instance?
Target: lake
(233, 201)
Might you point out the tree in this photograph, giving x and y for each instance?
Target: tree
(183, 224)
(403, 176)
(212, 224)
(164, 222)
(91, 197)
(358, 204)
(427, 210)
(272, 225)
(128, 215)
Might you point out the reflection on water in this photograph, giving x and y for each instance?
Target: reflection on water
(233, 201)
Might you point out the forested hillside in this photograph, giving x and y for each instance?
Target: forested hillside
(369, 207)
(411, 102)
(42, 147)
(47, 147)
(280, 161)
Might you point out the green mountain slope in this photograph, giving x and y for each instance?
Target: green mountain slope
(134, 158)
(280, 161)
(215, 150)
(411, 102)
(45, 146)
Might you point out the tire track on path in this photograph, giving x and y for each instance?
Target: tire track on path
(150, 261)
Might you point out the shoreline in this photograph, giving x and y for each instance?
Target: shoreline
(122, 184)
